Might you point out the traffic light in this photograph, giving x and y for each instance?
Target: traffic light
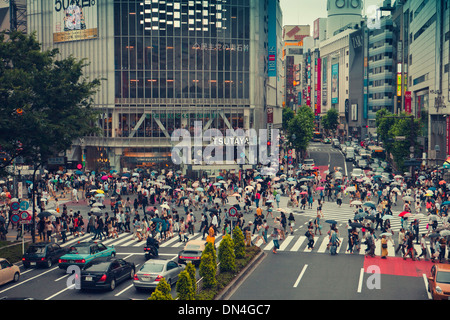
(269, 143)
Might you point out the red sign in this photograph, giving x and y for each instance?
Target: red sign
(269, 115)
(319, 86)
(408, 102)
(448, 134)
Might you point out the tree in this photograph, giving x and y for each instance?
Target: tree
(330, 121)
(45, 103)
(208, 270)
(239, 243)
(184, 286)
(390, 126)
(288, 114)
(162, 291)
(192, 273)
(302, 125)
(226, 254)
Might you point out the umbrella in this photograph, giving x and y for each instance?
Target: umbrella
(105, 178)
(96, 213)
(370, 204)
(331, 221)
(386, 216)
(100, 195)
(165, 206)
(44, 214)
(97, 204)
(351, 189)
(433, 217)
(387, 234)
(100, 191)
(370, 218)
(356, 202)
(409, 198)
(445, 233)
(360, 215)
(200, 189)
(434, 235)
(356, 225)
(96, 209)
(320, 188)
(403, 213)
(442, 182)
(445, 203)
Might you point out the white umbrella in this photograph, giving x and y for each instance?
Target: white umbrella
(356, 202)
(96, 209)
(97, 204)
(445, 233)
(165, 206)
(350, 189)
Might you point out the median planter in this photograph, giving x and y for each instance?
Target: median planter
(227, 280)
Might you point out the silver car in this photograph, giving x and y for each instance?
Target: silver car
(152, 271)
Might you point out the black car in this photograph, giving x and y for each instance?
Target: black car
(106, 273)
(42, 254)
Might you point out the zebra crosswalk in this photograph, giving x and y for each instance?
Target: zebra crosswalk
(292, 243)
(332, 211)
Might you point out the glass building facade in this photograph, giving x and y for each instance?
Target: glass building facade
(167, 65)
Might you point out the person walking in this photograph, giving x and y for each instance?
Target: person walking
(384, 247)
(409, 246)
(423, 247)
(275, 238)
(401, 241)
(291, 220)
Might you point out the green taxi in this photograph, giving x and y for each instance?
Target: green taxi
(83, 252)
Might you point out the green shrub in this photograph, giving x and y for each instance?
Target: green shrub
(226, 255)
(162, 291)
(239, 244)
(184, 287)
(208, 270)
(190, 268)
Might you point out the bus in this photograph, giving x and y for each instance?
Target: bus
(377, 152)
(317, 136)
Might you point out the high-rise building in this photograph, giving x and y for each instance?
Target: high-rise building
(166, 65)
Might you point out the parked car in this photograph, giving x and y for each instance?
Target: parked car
(106, 273)
(82, 253)
(439, 281)
(192, 252)
(8, 272)
(152, 271)
(43, 254)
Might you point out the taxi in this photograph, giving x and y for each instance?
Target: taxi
(83, 252)
(439, 281)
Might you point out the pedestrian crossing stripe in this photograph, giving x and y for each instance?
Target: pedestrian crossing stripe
(292, 243)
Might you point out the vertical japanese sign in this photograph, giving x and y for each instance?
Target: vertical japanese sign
(272, 38)
(408, 102)
(74, 20)
(335, 83)
(319, 86)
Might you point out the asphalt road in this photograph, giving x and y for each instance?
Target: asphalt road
(300, 275)
(292, 274)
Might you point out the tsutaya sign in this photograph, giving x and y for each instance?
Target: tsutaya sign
(221, 46)
(254, 146)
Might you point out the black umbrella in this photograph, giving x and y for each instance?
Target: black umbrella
(331, 221)
(356, 225)
(434, 235)
(44, 214)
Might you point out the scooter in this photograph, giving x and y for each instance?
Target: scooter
(151, 249)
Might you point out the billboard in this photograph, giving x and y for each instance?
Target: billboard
(272, 37)
(335, 83)
(74, 20)
(318, 86)
(296, 33)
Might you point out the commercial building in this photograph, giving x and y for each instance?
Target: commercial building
(166, 65)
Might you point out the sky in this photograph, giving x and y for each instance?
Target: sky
(301, 12)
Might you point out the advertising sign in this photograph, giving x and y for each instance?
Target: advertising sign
(272, 37)
(74, 20)
(319, 86)
(408, 102)
(335, 83)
